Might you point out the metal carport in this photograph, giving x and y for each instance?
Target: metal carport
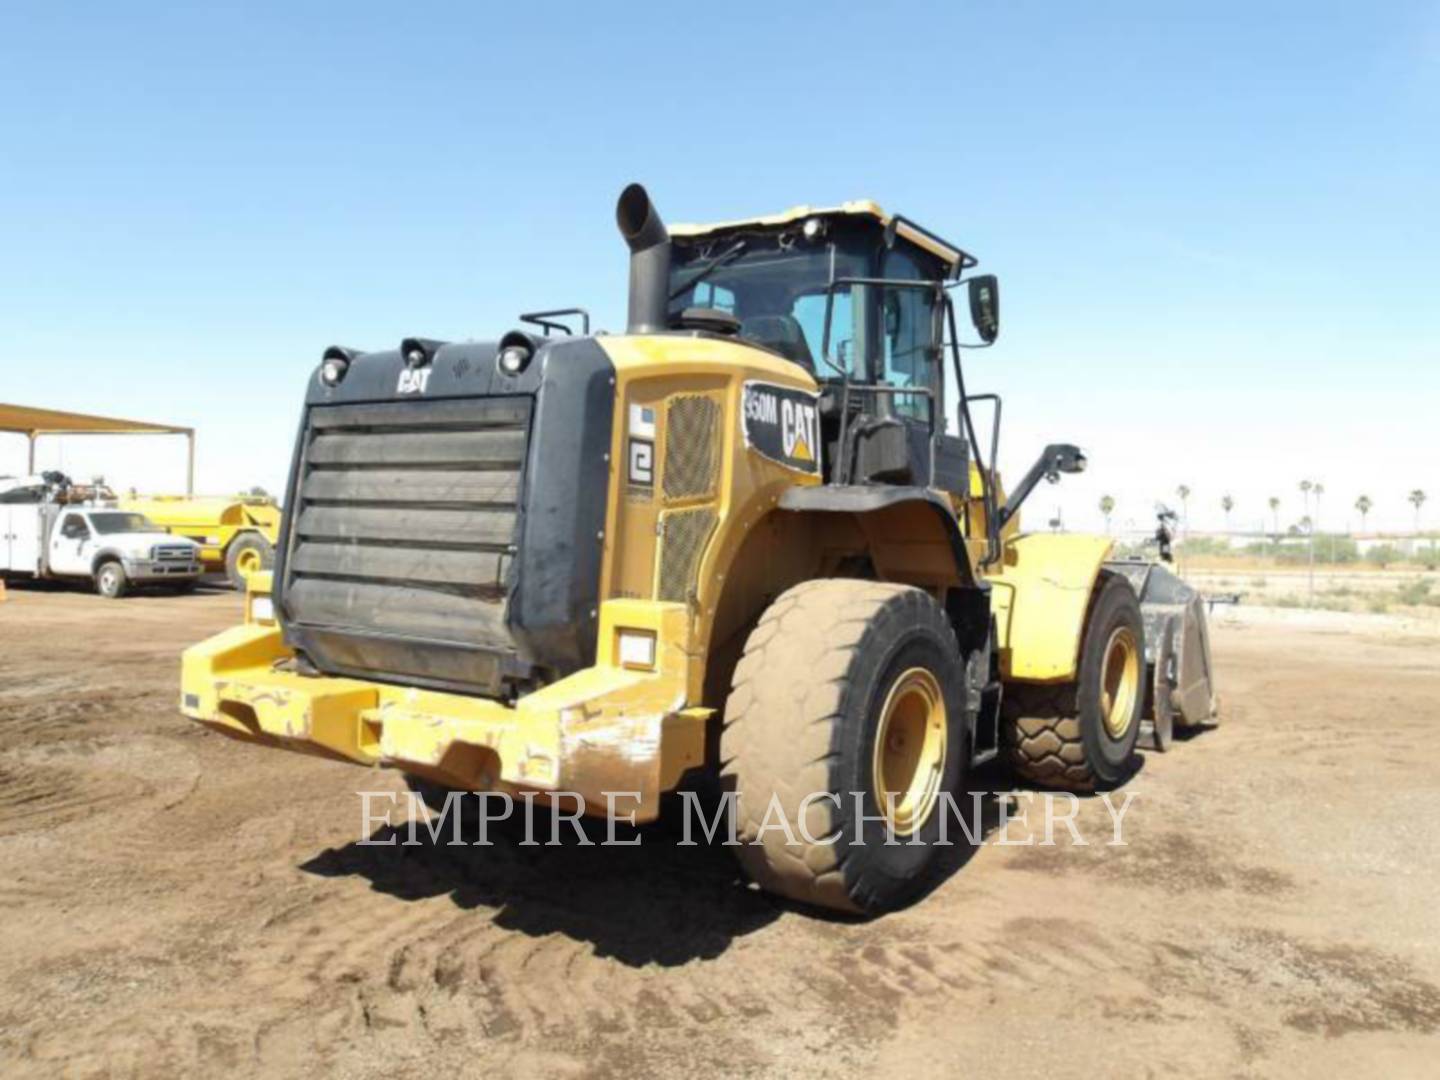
(33, 423)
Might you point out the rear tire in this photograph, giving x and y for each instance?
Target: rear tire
(845, 687)
(110, 580)
(1081, 735)
(247, 554)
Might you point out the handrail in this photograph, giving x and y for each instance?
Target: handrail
(545, 320)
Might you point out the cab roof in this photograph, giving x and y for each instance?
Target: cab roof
(955, 257)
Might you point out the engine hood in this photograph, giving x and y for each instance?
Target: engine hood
(142, 542)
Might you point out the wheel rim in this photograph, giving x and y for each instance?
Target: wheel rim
(247, 562)
(1119, 681)
(107, 580)
(909, 752)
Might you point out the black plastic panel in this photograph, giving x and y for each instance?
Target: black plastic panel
(450, 536)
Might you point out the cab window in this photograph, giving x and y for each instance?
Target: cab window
(908, 335)
(74, 527)
(708, 294)
(809, 313)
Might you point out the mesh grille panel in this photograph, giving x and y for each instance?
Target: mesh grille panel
(692, 456)
(683, 535)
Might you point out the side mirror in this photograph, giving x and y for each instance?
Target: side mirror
(985, 306)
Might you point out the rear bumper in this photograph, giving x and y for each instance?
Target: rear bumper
(603, 729)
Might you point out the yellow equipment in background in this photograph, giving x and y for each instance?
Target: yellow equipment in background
(237, 535)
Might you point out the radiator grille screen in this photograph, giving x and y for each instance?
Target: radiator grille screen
(692, 453)
(683, 535)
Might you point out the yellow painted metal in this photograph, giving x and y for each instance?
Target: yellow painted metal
(213, 523)
(624, 729)
(257, 587)
(1119, 681)
(908, 756)
(603, 729)
(1040, 593)
(648, 372)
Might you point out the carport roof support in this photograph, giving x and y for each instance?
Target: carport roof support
(32, 423)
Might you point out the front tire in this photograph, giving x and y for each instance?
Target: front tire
(849, 696)
(111, 581)
(1081, 735)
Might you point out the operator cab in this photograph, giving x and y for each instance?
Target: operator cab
(856, 297)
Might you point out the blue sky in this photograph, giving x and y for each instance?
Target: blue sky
(1216, 224)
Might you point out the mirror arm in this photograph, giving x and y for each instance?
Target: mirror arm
(1057, 458)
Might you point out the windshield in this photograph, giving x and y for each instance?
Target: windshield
(774, 283)
(122, 523)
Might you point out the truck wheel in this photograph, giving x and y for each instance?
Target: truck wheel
(110, 580)
(248, 554)
(847, 692)
(1081, 735)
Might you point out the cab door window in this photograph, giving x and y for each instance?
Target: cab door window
(74, 528)
(809, 313)
(908, 337)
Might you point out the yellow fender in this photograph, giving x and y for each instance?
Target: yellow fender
(1040, 593)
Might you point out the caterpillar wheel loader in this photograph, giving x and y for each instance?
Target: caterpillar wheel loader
(757, 534)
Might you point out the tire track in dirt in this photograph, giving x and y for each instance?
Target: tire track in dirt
(219, 918)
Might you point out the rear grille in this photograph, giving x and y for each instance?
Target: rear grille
(683, 536)
(402, 535)
(692, 458)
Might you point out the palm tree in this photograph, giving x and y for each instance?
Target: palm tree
(1363, 504)
(1417, 499)
(1275, 509)
(1227, 503)
(1305, 486)
(1184, 493)
(1107, 507)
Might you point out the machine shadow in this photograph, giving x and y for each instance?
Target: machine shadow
(1186, 734)
(644, 900)
(648, 899)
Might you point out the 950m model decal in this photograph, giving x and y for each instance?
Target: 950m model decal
(782, 424)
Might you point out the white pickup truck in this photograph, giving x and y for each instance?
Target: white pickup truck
(114, 549)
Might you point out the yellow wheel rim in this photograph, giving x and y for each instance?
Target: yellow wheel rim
(1119, 681)
(910, 749)
(248, 562)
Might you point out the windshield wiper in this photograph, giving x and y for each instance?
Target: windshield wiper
(729, 255)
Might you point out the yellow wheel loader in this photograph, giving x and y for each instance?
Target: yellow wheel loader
(755, 537)
(237, 536)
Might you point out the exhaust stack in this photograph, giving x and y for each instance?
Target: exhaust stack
(649, 243)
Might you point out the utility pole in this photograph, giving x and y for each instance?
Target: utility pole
(1306, 487)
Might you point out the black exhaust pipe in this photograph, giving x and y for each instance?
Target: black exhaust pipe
(649, 242)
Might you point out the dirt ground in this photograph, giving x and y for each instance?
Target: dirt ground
(178, 903)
